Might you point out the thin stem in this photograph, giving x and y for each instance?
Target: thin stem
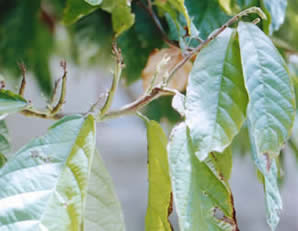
(115, 83)
(61, 101)
(23, 83)
(213, 35)
(54, 94)
(139, 103)
(42, 115)
(157, 23)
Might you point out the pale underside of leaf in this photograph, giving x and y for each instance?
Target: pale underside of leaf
(203, 202)
(103, 210)
(216, 98)
(271, 108)
(48, 179)
(159, 194)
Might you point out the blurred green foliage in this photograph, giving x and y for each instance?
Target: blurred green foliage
(30, 33)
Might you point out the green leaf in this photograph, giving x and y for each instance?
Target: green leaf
(159, 195)
(10, 102)
(276, 13)
(269, 170)
(202, 201)
(48, 178)
(216, 98)
(207, 15)
(122, 18)
(271, 108)
(103, 210)
(221, 164)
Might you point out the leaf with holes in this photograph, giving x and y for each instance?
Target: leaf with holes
(271, 108)
(10, 102)
(159, 195)
(216, 98)
(103, 210)
(48, 179)
(202, 200)
(276, 13)
(269, 171)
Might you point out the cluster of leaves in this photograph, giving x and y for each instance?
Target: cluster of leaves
(237, 80)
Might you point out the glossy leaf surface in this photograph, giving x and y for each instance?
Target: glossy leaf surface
(216, 98)
(48, 179)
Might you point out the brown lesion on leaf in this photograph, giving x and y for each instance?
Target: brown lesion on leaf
(170, 209)
(37, 155)
(268, 161)
(219, 215)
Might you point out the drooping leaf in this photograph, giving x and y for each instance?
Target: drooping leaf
(10, 102)
(216, 98)
(207, 15)
(271, 108)
(122, 18)
(202, 200)
(159, 195)
(276, 13)
(48, 178)
(269, 171)
(103, 210)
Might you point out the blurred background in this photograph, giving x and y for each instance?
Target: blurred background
(39, 34)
